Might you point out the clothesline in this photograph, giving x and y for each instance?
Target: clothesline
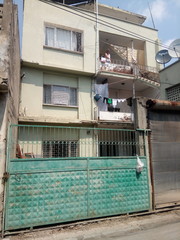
(113, 101)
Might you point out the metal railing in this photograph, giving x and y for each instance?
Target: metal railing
(124, 67)
(34, 141)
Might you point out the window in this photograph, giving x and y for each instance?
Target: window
(59, 95)
(60, 149)
(63, 39)
(113, 144)
(173, 93)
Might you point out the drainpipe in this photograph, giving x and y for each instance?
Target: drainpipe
(134, 90)
(96, 10)
(97, 39)
(132, 51)
(132, 55)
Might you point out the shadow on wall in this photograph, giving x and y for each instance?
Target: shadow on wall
(3, 98)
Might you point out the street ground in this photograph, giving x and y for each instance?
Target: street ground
(157, 226)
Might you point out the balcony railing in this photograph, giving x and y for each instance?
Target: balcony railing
(123, 67)
(118, 110)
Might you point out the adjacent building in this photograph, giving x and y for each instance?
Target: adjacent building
(9, 83)
(170, 82)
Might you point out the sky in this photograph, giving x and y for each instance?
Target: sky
(165, 14)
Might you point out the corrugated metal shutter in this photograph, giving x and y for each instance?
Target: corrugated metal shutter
(165, 145)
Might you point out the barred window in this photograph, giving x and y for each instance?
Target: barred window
(173, 93)
(63, 39)
(60, 95)
(56, 149)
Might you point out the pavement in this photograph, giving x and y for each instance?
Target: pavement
(162, 225)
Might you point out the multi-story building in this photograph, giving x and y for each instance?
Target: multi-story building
(63, 58)
(77, 136)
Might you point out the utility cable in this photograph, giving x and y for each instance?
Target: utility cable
(92, 18)
(102, 22)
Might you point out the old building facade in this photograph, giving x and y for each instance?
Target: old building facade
(9, 83)
(80, 149)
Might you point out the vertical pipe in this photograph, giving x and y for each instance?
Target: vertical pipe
(132, 54)
(134, 90)
(151, 167)
(97, 37)
(132, 51)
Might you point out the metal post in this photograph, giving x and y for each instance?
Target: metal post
(134, 91)
(132, 51)
(97, 37)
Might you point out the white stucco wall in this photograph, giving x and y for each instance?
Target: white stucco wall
(32, 97)
(34, 36)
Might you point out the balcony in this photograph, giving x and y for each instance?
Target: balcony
(119, 81)
(140, 72)
(123, 81)
(113, 109)
(124, 76)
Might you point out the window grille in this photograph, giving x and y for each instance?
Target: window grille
(60, 149)
(173, 93)
(61, 141)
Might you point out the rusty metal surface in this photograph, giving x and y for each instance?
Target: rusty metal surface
(41, 191)
(162, 105)
(165, 141)
(56, 187)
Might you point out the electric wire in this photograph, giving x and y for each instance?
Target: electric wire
(92, 18)
(102, 22)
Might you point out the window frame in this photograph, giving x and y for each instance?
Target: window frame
(71, 30)
(60, 105)
(64, 150)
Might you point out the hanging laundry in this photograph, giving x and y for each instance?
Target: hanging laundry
(102, 90)
(121, 100)
(107, 100)
(114, 102)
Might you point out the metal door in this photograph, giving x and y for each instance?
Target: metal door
(165, 146)
(56, 187)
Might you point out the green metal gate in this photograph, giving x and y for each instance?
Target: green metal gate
(61, 174)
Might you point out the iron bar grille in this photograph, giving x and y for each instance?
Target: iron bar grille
(173, 93)
(30, 141)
